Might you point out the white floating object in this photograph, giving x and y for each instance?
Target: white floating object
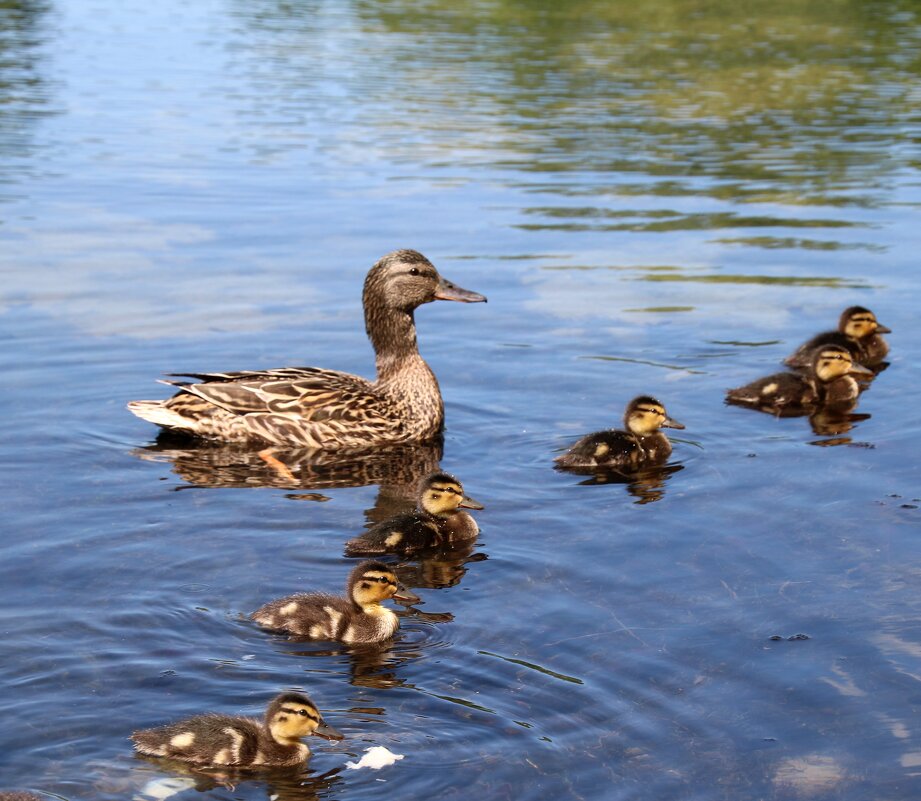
(161, 789)
(376, 757)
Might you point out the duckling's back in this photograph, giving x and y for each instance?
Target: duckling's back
(307, 614)
(212, 739)
(778, 391)
(612, 449)
(403, 534)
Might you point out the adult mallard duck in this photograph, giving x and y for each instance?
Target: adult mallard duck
(244, 742)
(858, 331)
(324, 409)
(641, 445)
(360, 617)
(828, 382)
(439, 520)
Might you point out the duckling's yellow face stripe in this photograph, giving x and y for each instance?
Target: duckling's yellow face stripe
(302, 711)
(860, 325)
(375, 586)
(646, 418)
(442, 497)
(295, 720)
(832, 364)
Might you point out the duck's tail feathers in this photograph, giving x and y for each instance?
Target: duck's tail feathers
(361, 547)
(155, 411)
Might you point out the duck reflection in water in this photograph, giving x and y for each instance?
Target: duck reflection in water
(646, 485)
(296, 783)
(398, 469)
(370, 665)
(832, 423)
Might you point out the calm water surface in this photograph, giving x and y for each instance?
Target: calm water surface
(661, 197)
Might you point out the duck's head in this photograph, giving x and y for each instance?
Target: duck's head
(645, 415)
(405, 279)
(858, 322)
(291, 716)
(833, 361)
(373, 582)
(441, 494)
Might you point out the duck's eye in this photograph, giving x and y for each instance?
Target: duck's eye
(414, 271)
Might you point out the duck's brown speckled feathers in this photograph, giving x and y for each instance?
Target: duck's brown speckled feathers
(858, 331)
(438, 521)
(641, 445)
(20, 795)
(325, 409)
(829, 382)
(214, 739)
(357, 618)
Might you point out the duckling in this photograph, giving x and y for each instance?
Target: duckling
(438, 520)
(324, 409)
(245, 742)
(357, 618)
(828, 383)
(858, 331)
(641, 445)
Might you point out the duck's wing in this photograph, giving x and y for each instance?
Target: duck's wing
(302, 406)
(273, 374)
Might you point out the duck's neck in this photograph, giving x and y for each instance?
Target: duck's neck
(401, 371)
(393, 335)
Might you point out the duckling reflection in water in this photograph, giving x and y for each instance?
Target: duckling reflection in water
(243, 742)
(360, 617)
(641, 445)
(829, 382)
(858, 331)
(282, 783)
(438, 520)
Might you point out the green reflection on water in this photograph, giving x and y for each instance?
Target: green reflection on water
(791, 101)
(785, 242)
(662, 309)
(671, 221)
(772, 280)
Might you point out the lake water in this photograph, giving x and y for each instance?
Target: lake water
(661, 197)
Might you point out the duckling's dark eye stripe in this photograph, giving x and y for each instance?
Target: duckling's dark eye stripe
(381, 580)
(302, 712)
(452, 490)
